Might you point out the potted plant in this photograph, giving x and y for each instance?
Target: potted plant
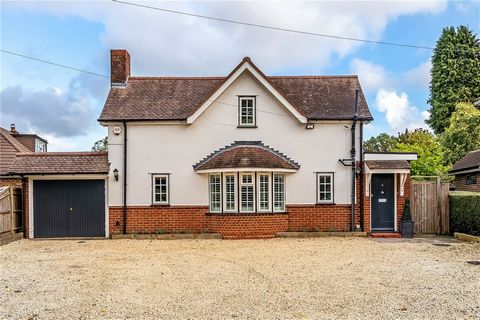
(406, 225)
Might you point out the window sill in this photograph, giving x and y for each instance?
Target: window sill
(324, 203)
(160, 205)
(246, 127)
(244, 213)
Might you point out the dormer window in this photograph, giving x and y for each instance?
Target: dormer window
(246, 112)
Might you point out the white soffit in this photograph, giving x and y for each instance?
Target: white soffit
(390, 156)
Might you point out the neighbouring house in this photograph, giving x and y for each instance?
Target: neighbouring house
(245, 155)
(467, 172)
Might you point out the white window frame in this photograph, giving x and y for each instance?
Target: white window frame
(240, 111)
(269, 191)
(210, 192)
(283, 191)
(167, 189)
(235, 192)
(332, 185)
(241, 184)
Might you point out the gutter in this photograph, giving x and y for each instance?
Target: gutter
(124, 209)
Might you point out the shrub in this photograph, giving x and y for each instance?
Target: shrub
(465, 212)
(407, 215)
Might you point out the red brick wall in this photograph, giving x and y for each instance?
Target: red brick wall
(460, 184)
(322, 217)
(244, 226)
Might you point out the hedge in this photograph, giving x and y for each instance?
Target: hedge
(465, 212)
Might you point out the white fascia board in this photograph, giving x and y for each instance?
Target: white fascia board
(79, 176)
(233, 77)
(390, 156)
(246, 170)
(374, 171)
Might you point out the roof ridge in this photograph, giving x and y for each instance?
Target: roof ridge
(176, 78)
(314, 76)
(68, 153)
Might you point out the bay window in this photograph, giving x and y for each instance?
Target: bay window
(246, 192)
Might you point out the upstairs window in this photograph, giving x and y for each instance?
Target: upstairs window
(246, 112)
(160, 188)
(324, 187)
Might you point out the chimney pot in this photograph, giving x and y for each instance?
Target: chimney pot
(12, 129)
(119, 67)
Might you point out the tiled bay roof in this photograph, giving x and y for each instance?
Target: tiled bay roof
(177, 98)
(246, 154)
(60, 163)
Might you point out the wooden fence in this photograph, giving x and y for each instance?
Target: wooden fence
(429, 207)
(10, 210)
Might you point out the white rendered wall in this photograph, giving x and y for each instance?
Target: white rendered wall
(174, 148)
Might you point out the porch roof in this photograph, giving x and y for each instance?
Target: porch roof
(246, 155)
(387, 164)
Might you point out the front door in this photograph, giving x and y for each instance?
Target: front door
(383, 202)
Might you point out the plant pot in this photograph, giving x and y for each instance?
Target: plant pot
(406, 229)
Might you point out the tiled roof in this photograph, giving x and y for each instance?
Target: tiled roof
(60, 163)
(246, 154)
(387, 164)
(9, 147)
(469, 161)
(177, 98)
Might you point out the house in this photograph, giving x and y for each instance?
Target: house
(467, 172)
(11, 143)
(245, 155)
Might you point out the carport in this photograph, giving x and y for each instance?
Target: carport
(66, 193)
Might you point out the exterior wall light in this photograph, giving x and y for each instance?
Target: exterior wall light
(115, 174)
(310, 126)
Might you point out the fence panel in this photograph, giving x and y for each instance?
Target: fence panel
(429, 205)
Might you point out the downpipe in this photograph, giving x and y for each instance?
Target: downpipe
(353, 163)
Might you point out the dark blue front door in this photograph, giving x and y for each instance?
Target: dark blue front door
(383, 202)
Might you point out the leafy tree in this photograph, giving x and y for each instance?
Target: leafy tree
(381, 143)
(101, 145)
(455, 74)
(463, 133)
(430, 153)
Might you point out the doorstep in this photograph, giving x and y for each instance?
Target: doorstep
(315, 234)
(385, 235)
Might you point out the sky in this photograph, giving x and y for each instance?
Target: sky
(63, 105)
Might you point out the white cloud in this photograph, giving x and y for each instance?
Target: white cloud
(399, 113)
(372, 76)
(163, 43)
(419, 76)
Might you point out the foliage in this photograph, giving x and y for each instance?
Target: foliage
(455, 74)
(463, 133)
(381, 143)
(426, 145)
(407, 215)
(465, 212)
(101, 145)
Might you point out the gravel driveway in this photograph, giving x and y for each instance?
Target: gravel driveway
(321, 278)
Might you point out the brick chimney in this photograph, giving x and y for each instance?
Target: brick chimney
(119, 67)
(13, 130)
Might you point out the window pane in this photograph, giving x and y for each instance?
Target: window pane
(264, 192)
(230, 192)
(278, 192)
(325, 185)
(247, 198)
(160, 189)
(215, 193)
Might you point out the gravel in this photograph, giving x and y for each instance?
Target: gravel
(316, 278)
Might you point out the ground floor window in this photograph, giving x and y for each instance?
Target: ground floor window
(324, 187)
(160, 188)
(247, 192)
(471, 179)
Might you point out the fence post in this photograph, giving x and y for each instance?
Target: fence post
(12, 212)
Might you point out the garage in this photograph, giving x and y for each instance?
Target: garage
(69, 208)
(67, 193)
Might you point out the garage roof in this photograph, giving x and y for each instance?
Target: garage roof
(60, 163)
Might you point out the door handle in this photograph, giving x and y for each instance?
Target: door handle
(71, 210)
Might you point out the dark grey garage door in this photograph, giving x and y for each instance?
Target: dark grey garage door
(68, 208)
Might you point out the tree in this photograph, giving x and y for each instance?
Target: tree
(455, 74)
(463, 133)
(381, 143)
(430, 153)
(101, 145)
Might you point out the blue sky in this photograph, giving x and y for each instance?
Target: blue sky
(63, 105)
